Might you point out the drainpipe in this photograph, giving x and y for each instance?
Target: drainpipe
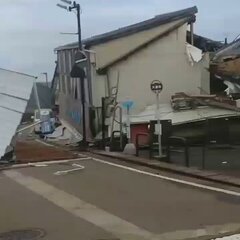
(108, 84)
(192, 32)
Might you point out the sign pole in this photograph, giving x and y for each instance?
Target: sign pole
(156, 87)
(128, 125)
(159, 130)
(130, 148)
(128, 105)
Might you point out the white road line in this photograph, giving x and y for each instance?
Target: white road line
(77, 167)
(59, 161)
(233, 193)
(120, 228)
(35, 164)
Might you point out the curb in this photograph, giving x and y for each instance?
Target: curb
(33, 164)
(190, 172)
(12, 167)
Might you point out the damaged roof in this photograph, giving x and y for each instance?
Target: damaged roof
(226, 62)
(205, 44)
(230, 50)
(158, 20)
(15, 90)
(181, 117)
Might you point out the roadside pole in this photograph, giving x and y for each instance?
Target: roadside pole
(128, 125)
(130, 148)
(159, 127)
(128, 105)
(156, 87)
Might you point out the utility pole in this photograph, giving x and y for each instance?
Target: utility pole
(46, 77)
(83, 58)
(77, 6)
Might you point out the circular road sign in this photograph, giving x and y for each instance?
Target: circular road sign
(156, 86)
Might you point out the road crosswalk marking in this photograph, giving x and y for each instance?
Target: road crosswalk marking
(120, 228)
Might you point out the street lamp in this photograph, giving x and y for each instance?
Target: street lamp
(78, 71)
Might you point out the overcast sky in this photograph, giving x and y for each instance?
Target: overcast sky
(30, 29)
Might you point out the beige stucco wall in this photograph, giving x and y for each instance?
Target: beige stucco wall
(109, 51)
(205, 80)
(165, 60)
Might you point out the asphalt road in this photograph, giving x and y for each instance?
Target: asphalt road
(114, 201)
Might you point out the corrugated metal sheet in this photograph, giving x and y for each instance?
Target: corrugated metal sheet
(181, 117)
(232, 49)
(15, 90)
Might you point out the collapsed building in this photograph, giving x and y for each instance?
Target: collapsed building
(225, 69)
(122, 64)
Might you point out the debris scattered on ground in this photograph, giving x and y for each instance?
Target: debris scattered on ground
(64, 135)
(183, 101)
(225, 67)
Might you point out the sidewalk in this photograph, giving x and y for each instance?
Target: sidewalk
(37, 151)
(214, 176)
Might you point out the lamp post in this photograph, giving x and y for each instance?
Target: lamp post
(78, 72)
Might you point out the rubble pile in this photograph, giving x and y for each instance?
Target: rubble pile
(183, 101)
